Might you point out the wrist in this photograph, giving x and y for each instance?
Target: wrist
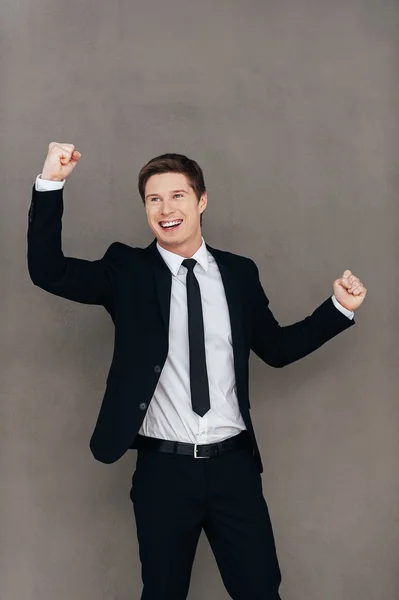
(48, 177)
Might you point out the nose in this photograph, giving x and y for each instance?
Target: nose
(167, 208)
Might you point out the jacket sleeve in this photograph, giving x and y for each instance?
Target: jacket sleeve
(280, 345)
(88, 282)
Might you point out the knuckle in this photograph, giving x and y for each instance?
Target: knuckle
(55, 148)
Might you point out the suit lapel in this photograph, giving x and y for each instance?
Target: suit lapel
(163, 285)
(162, 281)
(233, 297)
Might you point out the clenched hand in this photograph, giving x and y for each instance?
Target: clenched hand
(349, 291)
(60, 161)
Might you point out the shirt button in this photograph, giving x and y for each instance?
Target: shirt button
(157, 369)
(143, 406)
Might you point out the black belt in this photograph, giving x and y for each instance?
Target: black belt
(241, 440)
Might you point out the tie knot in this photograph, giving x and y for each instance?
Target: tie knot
(189, 263)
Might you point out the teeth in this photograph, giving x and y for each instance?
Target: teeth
(171, 224)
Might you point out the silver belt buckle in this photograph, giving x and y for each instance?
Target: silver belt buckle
(196, 452)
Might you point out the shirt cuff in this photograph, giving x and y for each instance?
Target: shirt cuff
(348, 313)
(43, 185)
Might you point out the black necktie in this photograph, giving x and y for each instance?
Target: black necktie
(198, 374)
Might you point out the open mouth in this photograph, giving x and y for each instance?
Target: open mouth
(170, 225)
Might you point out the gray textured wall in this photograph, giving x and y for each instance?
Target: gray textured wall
(291, 107)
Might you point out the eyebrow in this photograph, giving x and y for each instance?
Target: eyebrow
(173, 192)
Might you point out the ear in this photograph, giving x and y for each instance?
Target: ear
(203, 202)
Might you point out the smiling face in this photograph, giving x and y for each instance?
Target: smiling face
(174, 213)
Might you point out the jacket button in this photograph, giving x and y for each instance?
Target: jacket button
(143, 406)
(157, 369)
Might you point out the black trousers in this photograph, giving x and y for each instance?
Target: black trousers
(175, 497)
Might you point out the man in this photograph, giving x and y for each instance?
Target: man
(186, 317)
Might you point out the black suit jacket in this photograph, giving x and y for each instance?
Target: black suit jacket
(134, 286)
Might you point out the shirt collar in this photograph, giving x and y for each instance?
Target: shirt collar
(174, 261)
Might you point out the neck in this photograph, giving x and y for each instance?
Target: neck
(186, 250)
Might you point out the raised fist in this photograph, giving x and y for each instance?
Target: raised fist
(60, 161)
(349, 290)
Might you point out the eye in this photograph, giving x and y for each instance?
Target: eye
(154, 199)
(178, 196)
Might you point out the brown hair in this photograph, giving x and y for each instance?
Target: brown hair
(173, 163)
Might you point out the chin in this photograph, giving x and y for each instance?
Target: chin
(171, 237)
(168, 240)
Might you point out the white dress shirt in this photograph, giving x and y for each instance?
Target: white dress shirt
(170, 415)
